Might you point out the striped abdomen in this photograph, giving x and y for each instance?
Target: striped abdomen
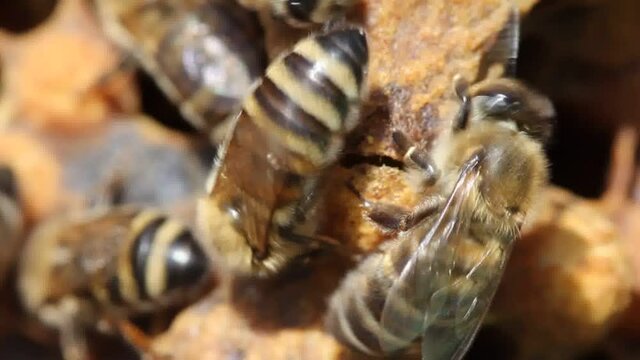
(301, 13)
(158, 262)
(203, 55)
(309, 98)
(354, 315)
(212, 56)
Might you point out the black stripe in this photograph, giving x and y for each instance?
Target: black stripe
(318, 83)
(139, 254)
(113, 291)
(241, 32)
(182, 271)
(377, 290)
(301, 10)
(401, 256)
(288, 115)
(232, 23)
(366, 336)
(350, 47)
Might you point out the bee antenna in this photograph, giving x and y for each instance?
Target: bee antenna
(504, 51)
(461, 89)
(512, 38)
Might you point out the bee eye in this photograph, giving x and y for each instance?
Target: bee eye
(234, 210)
(301, 9)
(234, 213)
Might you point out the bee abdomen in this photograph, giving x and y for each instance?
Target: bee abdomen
(160, 260)
(207, 58)
(309, 98)
(356, 307)
(355, 310)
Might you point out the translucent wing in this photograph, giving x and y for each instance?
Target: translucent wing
(408, 299)
(456, 311)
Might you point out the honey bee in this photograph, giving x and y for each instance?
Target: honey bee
(263, 188)
(11, 219)
(437, 277)
(100, 268)
(302, 13)
(204, 55)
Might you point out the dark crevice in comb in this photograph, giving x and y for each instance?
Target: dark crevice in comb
(352, 160)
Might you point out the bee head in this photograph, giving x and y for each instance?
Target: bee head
(511, 101)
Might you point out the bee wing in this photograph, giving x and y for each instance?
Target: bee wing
(456, 311)
(409, 296)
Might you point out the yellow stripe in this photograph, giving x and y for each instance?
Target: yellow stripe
(335, 70)
(289, 140)
(345, 326)
(314, 104)
(284, 215)
(156, 270)
(126, 278)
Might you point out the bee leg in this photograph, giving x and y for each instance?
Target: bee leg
(72, 339)
(314, 242)
(135, 336)
(126, 63)
(461, 89)
(622, 170)
(395, 218)
(416, 159)
(113, 84)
